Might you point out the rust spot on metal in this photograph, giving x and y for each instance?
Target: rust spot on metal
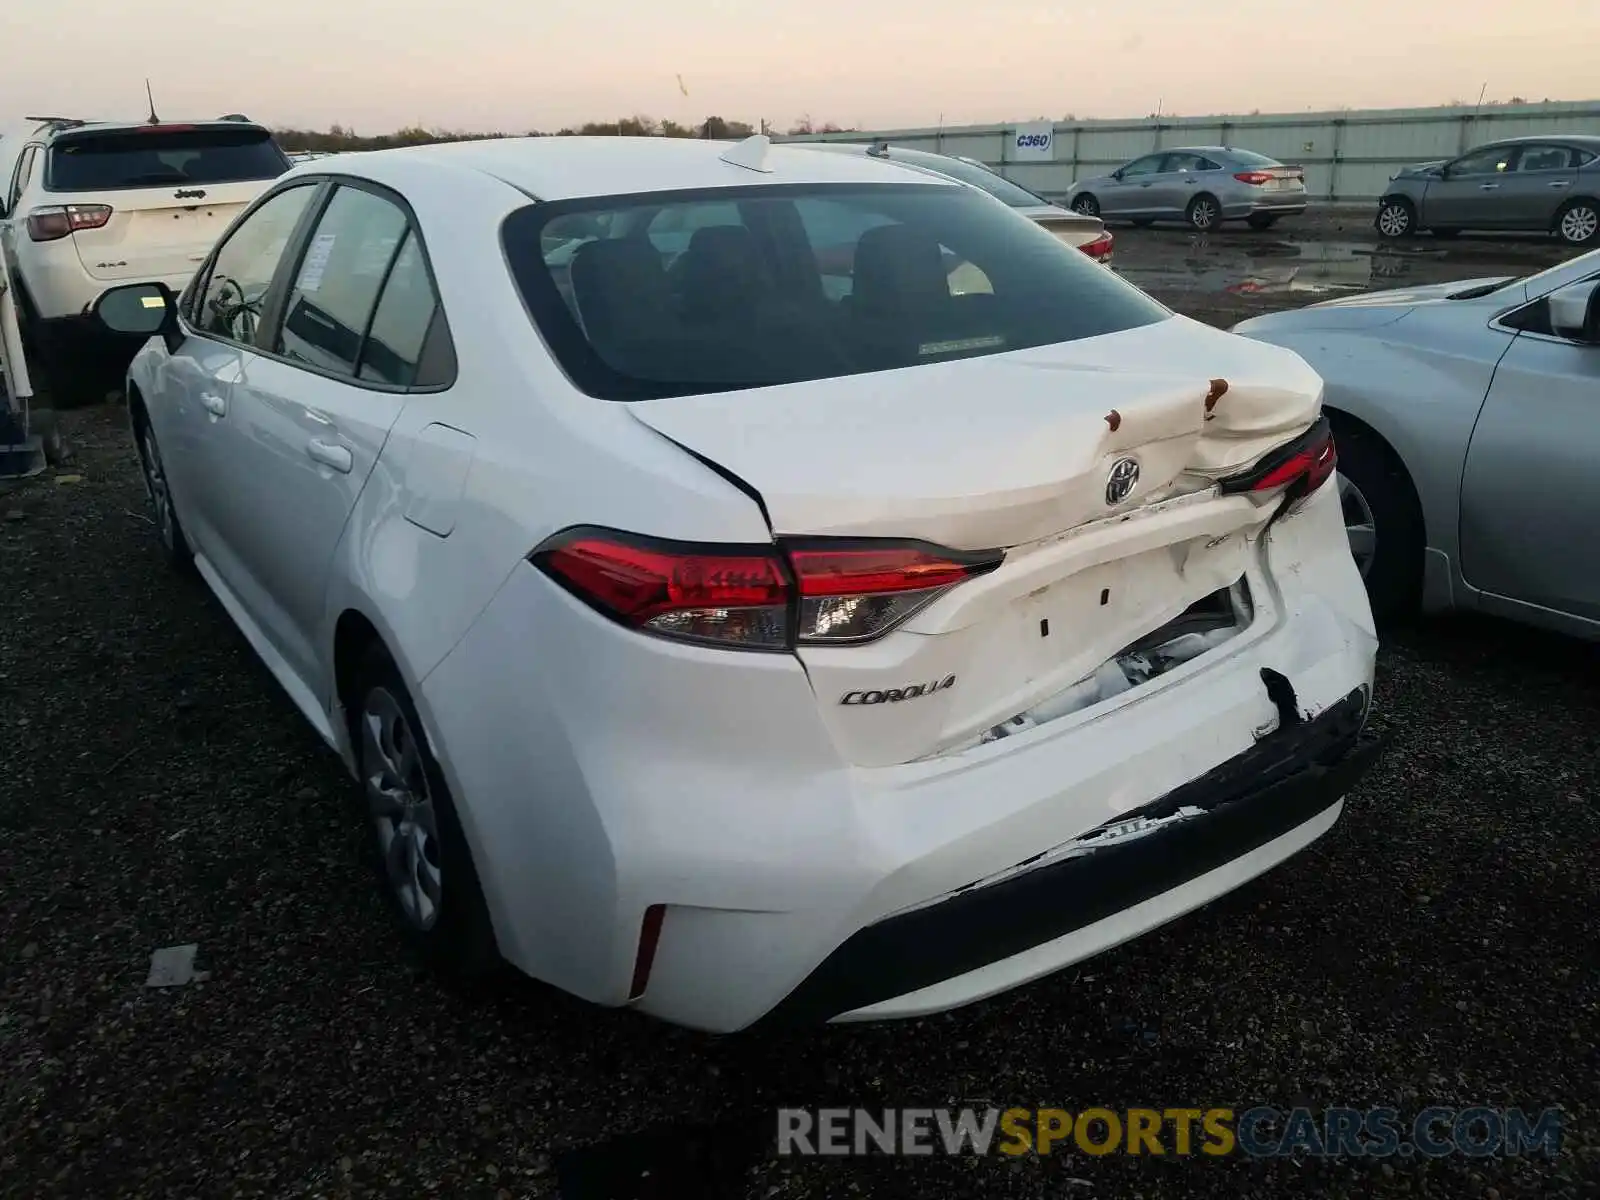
(1113, 419)
(1219, 389)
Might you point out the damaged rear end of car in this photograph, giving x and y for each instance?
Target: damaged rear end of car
(1062, 575)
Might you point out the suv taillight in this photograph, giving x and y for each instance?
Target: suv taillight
(56, 222)
(1302, 466)
(805, 591)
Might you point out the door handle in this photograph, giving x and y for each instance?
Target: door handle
(330, 455)
(1487, 187)
(213, 404)
(1559, 183)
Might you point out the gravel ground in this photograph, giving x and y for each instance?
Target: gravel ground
(1438, 946)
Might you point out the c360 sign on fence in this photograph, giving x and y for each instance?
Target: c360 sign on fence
(1034, 141)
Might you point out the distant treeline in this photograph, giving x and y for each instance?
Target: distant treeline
(337, 137)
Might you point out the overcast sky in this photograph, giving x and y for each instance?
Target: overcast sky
(506, 65)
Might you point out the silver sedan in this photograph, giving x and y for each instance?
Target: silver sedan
(1467, 418)
(1199, 185)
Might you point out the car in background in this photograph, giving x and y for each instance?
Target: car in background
(711, 644)
(1527, 185)
(1201, 186)
(1466, 420)
(1087, 232)
(89, 205)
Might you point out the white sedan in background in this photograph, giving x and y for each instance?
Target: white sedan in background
(726, 615)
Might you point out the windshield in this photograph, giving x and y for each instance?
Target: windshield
(730, 288)
(999, 187)
(97, 162)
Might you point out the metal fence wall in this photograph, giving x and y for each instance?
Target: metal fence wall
(1348, 156)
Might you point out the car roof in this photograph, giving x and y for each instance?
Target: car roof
(1573, 139)
(57, 128)
(565, 168)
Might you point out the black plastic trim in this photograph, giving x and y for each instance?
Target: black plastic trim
(1283, 781)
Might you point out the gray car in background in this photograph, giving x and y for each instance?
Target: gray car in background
(1529, 185)
(1464, 416)
(1199, 185)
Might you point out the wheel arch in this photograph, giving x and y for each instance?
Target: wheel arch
(1582, 198)
(1340, 419)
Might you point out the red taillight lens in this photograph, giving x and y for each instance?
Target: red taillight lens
(1307, 464)
(1100, 248)
(755, 597)
(52, 224)
(736, 596)
(857, 592)
(1254, 177)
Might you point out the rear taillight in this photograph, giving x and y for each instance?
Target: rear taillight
(1302, 466)
(1100, 248)
(1254, 177)
(56, 222)
(806, 591)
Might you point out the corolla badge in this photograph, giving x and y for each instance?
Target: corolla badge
(1120, 483)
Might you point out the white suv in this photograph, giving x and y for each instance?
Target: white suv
(90, 205)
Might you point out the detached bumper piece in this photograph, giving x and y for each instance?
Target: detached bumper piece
(1284, 780)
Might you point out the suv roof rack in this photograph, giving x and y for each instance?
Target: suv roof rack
(58, 122)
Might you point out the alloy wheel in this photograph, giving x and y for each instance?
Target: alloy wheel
(1394, 220)
(1579, 224)
(1359, 526)
(400, 802)
(1086, 206)
(1202, 214)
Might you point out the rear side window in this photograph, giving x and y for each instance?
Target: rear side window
(162, 157)
(808, 282)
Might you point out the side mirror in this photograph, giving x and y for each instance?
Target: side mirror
(137, 308)
(1117, 174)
(1575, 311)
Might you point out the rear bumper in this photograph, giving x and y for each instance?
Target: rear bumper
(959, 949)
(600, 773)
(1266, 205)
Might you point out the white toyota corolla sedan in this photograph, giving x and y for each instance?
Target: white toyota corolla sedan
(751, 583)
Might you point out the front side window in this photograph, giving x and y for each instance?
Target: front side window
(162, 157)
(229, 306)
(810, 282)
(346, 261)
(1493, 161)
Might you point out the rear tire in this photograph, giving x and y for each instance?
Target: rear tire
(418, 850)
(1261, 220)
(1204, 213)
(1578, 222)
(1396, 218)
(169, 530)
(1086, 205)
(1374, 485)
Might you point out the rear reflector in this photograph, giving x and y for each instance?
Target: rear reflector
(649, 939)
(808, 590)
(1303, 465)
(56, 222)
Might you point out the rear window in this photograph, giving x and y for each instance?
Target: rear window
(1251, 159)
(684, 292)
(998, 186)
(94, 162)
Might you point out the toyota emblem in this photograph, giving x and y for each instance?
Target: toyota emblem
(1120, 483)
